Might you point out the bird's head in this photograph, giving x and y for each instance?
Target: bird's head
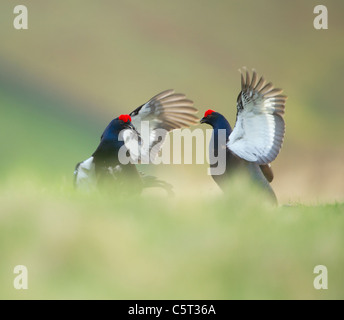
(211, 117)
(117, 125)
(124, 121)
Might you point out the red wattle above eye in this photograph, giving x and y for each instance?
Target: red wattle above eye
(125, 117)
(208, 112)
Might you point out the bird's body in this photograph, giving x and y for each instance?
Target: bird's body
(256, 139)
(104, 168)
(235, 164)
(109, 169)
(112, 166)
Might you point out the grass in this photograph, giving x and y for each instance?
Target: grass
(221, 247)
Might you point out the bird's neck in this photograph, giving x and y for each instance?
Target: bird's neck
(108, 148)
(221, 127)
(219, 138)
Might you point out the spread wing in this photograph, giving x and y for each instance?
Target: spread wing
(259, 129)
(153, 120)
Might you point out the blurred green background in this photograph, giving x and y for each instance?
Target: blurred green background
(82, 63)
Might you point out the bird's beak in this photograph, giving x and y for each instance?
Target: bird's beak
(203, 120)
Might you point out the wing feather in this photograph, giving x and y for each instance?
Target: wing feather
(168, 111)
(259, 130)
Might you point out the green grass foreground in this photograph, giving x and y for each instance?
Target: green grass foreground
(94, 246)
